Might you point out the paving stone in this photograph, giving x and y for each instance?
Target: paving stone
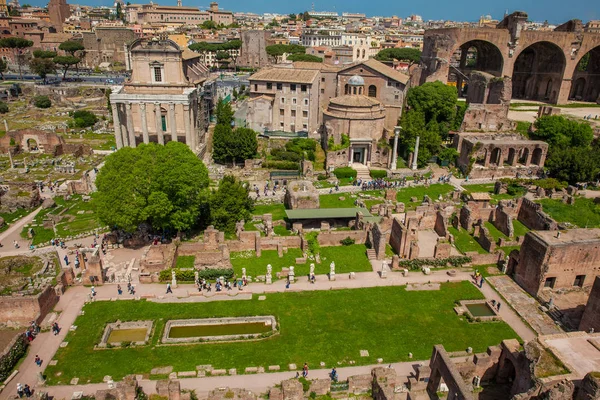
(218, 372)
(201, 373)
(274, 367)
(251, 370)
(262, 298)
(322, 364)
(107, 378)
(53, 362)
(77, 395)
(379, 360)
(233, 371)
(261, 370)
(292, 367)
(173, 375)
(364, 353)
(161, 370)
(204, 367)
(64, 344)
(187, 374)
(74, 381)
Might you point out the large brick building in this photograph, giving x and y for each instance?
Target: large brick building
(176, 15)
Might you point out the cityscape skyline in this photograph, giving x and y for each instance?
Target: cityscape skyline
(554, 11)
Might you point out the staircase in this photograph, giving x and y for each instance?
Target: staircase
(371, 255)
(362, 171)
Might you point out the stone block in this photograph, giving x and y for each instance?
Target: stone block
(53, 362)
(215, 372)
(74, 381)
(320, 386)
(187, 374)
(204, 367)
(292, 367)
(161, 370)
(251, 370)
(274, 367)
(364, 353)
(232, 371)
(64, 344)
(322, 364)
(261, 298)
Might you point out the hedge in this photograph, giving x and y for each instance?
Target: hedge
(187, 275)
(289, 165)
(416, 264)
(10, 359)
(345, 172)
(378, 173)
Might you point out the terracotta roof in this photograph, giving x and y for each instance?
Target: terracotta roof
(314, 65)
(188, 54)
(286, 75)
(383, 70)
(355, 101)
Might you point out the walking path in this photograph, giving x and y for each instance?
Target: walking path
(13, 233)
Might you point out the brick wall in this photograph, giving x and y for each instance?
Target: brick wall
(532, 216)
(334, 238)
(20, 311)
(591, 315)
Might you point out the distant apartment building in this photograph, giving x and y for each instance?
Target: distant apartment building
(321, 37)
(157, 14)
(593, 26)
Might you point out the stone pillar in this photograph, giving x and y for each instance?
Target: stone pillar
(172, 122)
(188, 128)
(416, 154)
(565, 89)
(159, 131)
(117, 125)
(130, 130)
(145, 135)
(395, 148)
(488, 156)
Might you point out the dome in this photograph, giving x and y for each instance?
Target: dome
(356, 80)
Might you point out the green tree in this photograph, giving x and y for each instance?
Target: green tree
(66, 62)
(230, 204)
(224, 113)
(208, 25)
(42, 101)
(559, 131)
(304, 57)
(44, 54)
(401, 54)
(42, 66)
(305, 16)
(277, 50)
(84, 119)
(74, 49)
(160, 185)
(292, 16)
(577, 164)
(3, 68)
(17, 45)
(3, 107)
(233, 145)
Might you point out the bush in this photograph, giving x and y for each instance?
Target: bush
(321, 177)
(84, 119)
(3, 107)
(345, 143)
(288, 165)
(345, 172)
(313, 242)
(283, 155)
(378, 173)
(187, 275)
(348, 241)
(42, 102)
(416, 264)
(10, 359)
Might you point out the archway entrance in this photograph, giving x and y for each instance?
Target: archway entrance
(586, 86)
(538, 72)
(32, 145)
(475, 55)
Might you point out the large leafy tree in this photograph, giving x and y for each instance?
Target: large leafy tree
(561, 132)
(75, 49)
(230, 204)
(233, 145)
(17, 45)
(66, 62)
(224, 113)
(161, 185)
(42, 66)
(577, 164)
(401, 54)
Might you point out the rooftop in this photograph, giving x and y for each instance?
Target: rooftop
(569, 236)
(355, 101)
(285, 75)
(481, 196)
(324, 213)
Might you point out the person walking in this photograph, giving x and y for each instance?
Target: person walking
(498, 306)
(169, 290)
(481, 282)
(305, 370)
(119, 290)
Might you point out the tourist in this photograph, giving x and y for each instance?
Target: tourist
(15, 244)
(304, 369)
(169, 290)
(333, 375)
(244, 281)
(20, 391)
(119, 290)
(27, 390)
(481, 282)
(93, 291)
(38, 360)
(55, 328)
(131, 290)
(287, 284)
(66, 259)
(498, 306)
(312, 278)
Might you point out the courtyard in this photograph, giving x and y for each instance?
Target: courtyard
(320, 326)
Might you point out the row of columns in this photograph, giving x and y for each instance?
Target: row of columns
(127, 137)
(513, 162)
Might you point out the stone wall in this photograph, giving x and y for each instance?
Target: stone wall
(503, 221)
(591, 315)
(333, 238)
(532, 216)
(379, 239)
(21, 310)
(15, 195)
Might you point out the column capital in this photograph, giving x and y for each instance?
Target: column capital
(143, 106)
(172, 106)
(128, 105)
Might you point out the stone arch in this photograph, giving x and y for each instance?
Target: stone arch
(512, 156)
(32, 144)
(524, 156)
(587, 76)
(357, 53)
(536, 157)
(364, 53)
(346, 89)
(481, 157)
(474, 55)
(372, 91)
(538, 71)
(497, 156)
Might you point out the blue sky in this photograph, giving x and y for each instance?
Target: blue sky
(555, 11)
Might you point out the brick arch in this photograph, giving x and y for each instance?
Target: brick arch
(585, 84)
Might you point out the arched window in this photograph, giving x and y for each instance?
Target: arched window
(372, 91)
(354, 90)
(364, 53)
(346, 91)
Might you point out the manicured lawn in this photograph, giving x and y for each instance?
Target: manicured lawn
(495, 232)
(329, 326)
(333, 200)
(185, 261)
(480, 188)
(519, 228)
(9, 218)
(277, 210)
(433, 191)
(584, 213)
(347, 259)
(465, 242)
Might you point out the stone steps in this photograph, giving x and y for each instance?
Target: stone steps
(371, 255)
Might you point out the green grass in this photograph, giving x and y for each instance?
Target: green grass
(258, 265)
(389, 251)
(185, 261)
(347, 259)
(519, 228)
(433, 191)
(584, 213)
(333, 200)
(494, 232)
(277, 210)
(523, 128)
(281, 231)
(329, 326)
(12, 217)
(465, 242)
(480, 188)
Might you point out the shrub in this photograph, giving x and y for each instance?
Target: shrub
(187, 275)
(313, 242)
(321, 177)
(345, 172)
(289, 165)
(348, 241)
(84, 119)
(3, 107)
(345, 143)
(10, 359)
(416, 264)
(378, 173)
(283, 155)
(42, 102)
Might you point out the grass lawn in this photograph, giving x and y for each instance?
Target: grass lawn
(465, 242)
(185, 261)
(333, 201)
(433, 191)
(519, 228)
(329, 326)
(9, 218)
(347, 259)
(584, 213)
(277, 210)
(495, 232)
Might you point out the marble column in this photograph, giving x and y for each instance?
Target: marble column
(188, 128)
(145, 135)
(416, 154)
(130, 131)
(117, 125)
(395, 148)
(172, 122)
(159, 131)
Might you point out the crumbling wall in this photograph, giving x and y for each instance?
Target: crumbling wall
(21, 310)
(532, 216)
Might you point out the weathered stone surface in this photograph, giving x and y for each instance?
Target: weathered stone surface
(161, 370)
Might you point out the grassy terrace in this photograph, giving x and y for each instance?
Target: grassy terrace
(584, 213)
(347, 259)
(329, 326)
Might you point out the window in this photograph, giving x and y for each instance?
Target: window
(322, 79)
(389, 83)
(293, 113)
(279, 86)
(294, 101)
(303, 88)
(293, 87)
(304, 114)
(281, 112)
(396, 97)
(163, 122)
(322, 91)
(269, 86)
(281, 125)
(282, 100)
(157, 74)
(579, 279)
(305, 127)
(255, 87)
(293, 128)
(372, 91)
(549, 283)
(305, 102)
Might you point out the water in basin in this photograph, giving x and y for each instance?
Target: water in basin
(480, 310)
(244, 328)
(127, 335)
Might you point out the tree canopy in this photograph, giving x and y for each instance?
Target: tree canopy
(160, 185)
(401, 54)
(559, 131)
(42, 66)
(231, 145)
(66, 62)
(276, 50)
(230, 204)
(224, 113)
(44, 54)
(304, 57)
(17, 45)
(202, 47)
